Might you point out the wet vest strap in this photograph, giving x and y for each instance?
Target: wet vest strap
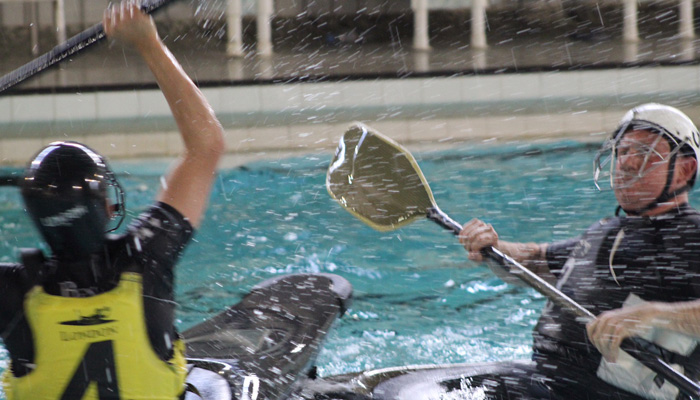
(95, 348)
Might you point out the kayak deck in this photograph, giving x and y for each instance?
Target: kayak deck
(263, 345)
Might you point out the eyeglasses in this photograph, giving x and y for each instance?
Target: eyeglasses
(629, 160)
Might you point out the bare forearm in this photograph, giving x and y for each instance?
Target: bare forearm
(521, 252)
(683, 317)
(200, 129)
(187, 185)
(530, 255)
(201, 132)
(477, 235)
(609, 328)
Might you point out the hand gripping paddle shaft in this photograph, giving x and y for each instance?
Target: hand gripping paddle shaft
(64, 50)
(379, 182)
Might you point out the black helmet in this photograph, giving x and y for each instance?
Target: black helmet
(65, 189)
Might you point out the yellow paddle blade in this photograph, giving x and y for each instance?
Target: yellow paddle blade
(377, 180)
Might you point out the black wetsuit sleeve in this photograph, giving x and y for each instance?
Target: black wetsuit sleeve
(160, 235)
(14, 330)
(680, 268)
(558, 252)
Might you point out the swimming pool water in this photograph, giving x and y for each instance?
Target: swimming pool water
(418, 300)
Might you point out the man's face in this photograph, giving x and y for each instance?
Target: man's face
(641, 168)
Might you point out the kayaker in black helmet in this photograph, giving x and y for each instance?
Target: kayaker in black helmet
(95, 319)
(71, 195)
(640, 273)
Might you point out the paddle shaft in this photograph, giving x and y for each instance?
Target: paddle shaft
(9, 180)
(638, 348)
(64, 50)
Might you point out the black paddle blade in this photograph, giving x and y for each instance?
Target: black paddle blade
(377, 180)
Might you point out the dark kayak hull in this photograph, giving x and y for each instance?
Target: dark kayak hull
(264, 346)
(423, 382)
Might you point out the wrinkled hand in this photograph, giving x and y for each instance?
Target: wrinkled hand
(476, 235)
(611, 327)
(127, 23)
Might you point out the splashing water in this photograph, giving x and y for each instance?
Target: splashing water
(418, 300)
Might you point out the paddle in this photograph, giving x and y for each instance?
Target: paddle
(379, 182)
(66, 49)
(9, 180)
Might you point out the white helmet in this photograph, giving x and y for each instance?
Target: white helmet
(667, 120)
(670, 123)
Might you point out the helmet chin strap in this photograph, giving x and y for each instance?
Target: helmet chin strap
(663, 197)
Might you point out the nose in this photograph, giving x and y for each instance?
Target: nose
(628, 162)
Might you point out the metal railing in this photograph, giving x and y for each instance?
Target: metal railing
(232, 13)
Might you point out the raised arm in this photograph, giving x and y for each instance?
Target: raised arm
(187, 185)
(476, 235)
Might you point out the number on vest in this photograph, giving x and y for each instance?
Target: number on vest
(97, 366)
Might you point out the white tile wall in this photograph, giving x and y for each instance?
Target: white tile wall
(109, 145)
(481, 88)
(76, 107)
(282, 97)
(314, 136)
(559, 84)
(595, 83)
(398, 129)
(117, 104)
(428, 130)
(535, 124)
(472, 127)
(441, 90)
(236, 140)
(638, 80)
(47, 140)
(19, 151)
(520, 86)
(581, 122)
(147, 144)
(501, 125)
(682, 79)
(319, 96)
(262, 137)
(32, 108)
(611, 119)
(241, 99)
(151, 103)
(175, 146)
(579, 89)
(401, 92)
(360, 94)
(214, 97)
(5, 110)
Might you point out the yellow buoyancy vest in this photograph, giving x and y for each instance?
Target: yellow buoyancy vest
(95, 348)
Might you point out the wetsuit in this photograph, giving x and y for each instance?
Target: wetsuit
(656, 259)
(150, 248)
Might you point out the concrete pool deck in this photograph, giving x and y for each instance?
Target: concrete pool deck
(296, 102)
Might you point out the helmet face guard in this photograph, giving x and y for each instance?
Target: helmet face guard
(642, 158)
(646, 157)
(67, 190)
(118, 202)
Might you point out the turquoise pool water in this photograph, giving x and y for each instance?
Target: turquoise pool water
(418, 299)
